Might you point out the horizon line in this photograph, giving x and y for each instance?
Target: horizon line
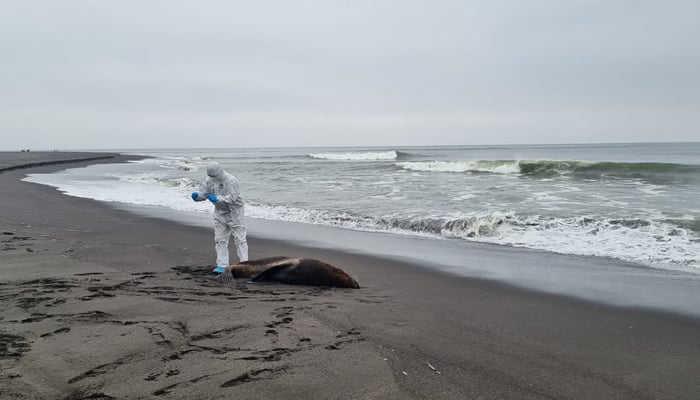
(103, 149)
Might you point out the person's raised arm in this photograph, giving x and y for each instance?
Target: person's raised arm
(233, 189)
(201, 194)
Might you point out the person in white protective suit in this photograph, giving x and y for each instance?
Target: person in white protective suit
(222, 189)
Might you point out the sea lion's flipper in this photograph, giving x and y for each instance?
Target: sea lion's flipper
(269, 274)
(227, 276)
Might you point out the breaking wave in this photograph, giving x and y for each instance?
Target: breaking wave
(605, 168)
(363, 156)
(554, 168)
(171, 163)
(466, 227)
(647, 241)
(157, 179)
(496, 167)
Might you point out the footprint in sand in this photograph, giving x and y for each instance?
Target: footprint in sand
(12, 346)
(56, 332)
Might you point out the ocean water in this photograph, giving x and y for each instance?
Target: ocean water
(634, 202)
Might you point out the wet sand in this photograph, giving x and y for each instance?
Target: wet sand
(99, 303)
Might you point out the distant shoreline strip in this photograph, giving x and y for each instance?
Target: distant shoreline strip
(44, 163)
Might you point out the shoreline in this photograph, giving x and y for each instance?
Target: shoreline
(486, 339)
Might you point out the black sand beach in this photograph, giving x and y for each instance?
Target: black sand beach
(100, 303)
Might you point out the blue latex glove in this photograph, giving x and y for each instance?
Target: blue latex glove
(212, 198)
(219, 269)
(195, 195)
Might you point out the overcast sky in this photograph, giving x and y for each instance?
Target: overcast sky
(138, 74)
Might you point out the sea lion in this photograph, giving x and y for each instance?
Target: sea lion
(293, 271)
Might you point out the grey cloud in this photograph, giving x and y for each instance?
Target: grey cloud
(383, 72)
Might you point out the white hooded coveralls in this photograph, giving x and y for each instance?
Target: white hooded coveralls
(228, 213)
